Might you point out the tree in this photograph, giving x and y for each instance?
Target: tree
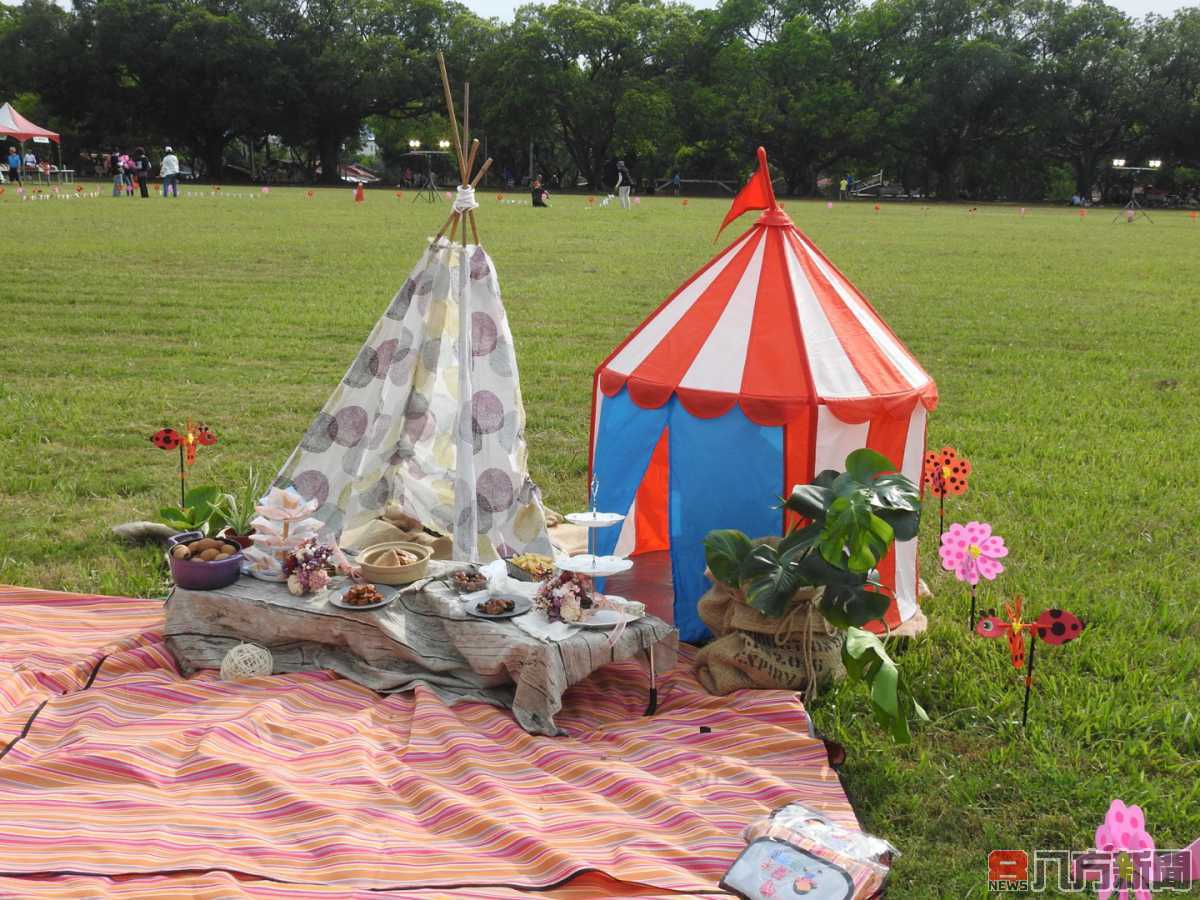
(1092, 78)
(344, 60)
(594, 71)
(963, 84)
(1171, 104)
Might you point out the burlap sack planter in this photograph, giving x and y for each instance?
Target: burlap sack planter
(798, 652)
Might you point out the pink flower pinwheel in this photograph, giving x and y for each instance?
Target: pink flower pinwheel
(971, 550)
(1123, 835)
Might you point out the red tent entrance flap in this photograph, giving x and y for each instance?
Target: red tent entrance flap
(652, 519)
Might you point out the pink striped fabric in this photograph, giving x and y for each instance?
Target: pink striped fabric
(146, 784)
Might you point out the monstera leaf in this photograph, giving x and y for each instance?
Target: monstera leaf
(861, 510)
(866, 660)
(771, 578)
(724, 552)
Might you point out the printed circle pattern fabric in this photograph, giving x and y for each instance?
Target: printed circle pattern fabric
(320, 434)
(352, 424)
(484, 334)
(494, 490)
(312, 485)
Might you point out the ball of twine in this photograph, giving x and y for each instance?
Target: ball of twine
(246, 661)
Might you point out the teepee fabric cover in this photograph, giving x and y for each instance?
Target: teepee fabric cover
(395, 429)
(764, 368)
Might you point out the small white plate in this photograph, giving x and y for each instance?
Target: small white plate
(607, 618)
(594, 519)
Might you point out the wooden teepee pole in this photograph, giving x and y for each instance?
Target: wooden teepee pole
(466, 157)
(466, 135)
(458, 149)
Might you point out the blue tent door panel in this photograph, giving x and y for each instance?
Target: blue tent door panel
(726, 472)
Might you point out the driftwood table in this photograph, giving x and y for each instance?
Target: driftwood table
(421, 637)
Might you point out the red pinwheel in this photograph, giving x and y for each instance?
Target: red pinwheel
(166, 439)
(945, 473)
(195, 436)
(1054, 626)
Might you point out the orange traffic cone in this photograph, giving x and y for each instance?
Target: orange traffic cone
(359, 195)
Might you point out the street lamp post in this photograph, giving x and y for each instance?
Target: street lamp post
(428, 188)
(1133, 208)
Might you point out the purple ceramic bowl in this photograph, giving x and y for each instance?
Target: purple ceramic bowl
(196, 575)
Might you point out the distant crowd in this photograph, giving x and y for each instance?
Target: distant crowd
(27, 166)
(129, 172)
(134, 171)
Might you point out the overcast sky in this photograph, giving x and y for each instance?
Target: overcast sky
(503, 9)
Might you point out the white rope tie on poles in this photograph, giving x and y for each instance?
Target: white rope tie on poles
(464, 201)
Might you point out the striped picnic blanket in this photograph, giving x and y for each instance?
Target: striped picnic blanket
(134, 781)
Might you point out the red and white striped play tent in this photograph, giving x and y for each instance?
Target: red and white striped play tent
(766, 367)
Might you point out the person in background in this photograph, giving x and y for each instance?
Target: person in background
(127, 173)
(537, 193)
(30, 161)
(14, 165)
(114, 166)
(842, 185)
(624, 183)
(170, 173)
(676, 183)
(142, 163)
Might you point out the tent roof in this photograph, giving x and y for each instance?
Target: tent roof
(13, 124)
(771, 325)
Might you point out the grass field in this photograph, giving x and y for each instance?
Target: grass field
(1064, 350)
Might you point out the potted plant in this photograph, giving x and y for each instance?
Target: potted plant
(235, 512)
(198, 512)
(827, 562)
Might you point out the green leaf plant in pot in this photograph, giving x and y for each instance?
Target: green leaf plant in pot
(849, 520)
(198, 512)
(235, 512)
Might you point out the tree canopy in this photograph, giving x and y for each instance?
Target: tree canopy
(973, 98)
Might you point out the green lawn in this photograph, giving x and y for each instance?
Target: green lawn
(1064, 350)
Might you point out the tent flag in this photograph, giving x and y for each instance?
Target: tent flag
(395, 430)
(757, 194)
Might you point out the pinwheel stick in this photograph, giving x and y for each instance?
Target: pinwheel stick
(971, 625)
(1028, 682)
(182, 478)
(942, 512)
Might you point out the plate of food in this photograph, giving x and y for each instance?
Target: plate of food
(361, 596)
(498, 607)
(467, 581)
(530, 567)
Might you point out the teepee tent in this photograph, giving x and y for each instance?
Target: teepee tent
(766, 367)
(429, 414)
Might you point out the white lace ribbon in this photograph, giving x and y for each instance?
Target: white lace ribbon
(464, 201)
